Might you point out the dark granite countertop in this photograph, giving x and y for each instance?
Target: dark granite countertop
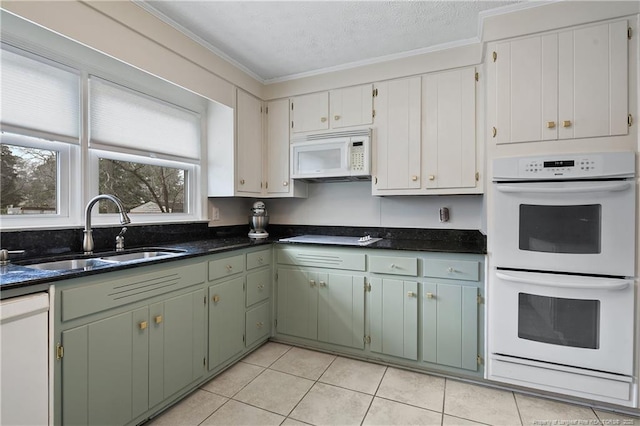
(18, 275)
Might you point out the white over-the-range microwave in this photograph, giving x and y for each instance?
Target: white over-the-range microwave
(344, 156)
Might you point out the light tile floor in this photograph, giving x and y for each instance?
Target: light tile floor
(283, 385)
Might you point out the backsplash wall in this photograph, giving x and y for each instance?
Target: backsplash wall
(351, 204)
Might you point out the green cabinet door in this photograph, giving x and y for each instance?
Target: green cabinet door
(105, 370)
(226, 320)
(450, 324)
(297, 293)
(341, 309)
(393, 317)
(176, 341)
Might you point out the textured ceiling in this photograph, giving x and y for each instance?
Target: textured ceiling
(279, 40)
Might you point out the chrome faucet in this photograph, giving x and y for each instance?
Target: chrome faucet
(87, 243)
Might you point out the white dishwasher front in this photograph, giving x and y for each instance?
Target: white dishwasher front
(24, 377)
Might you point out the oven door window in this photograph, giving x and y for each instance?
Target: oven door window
(560, 229)
(564, 322)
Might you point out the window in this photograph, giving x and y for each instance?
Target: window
(69, 134)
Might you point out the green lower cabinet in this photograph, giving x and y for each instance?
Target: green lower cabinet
(105, 375)
(176, 342)
(341, 309)
(226, 320)
(450, 324)
(393, 317)
(297, 294)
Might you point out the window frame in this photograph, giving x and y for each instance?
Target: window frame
(67, 188)
(191, 198)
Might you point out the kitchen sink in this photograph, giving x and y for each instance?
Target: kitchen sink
(70, 264)
(88, 264)
(140, 255)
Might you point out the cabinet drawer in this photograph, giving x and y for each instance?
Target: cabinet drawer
(394, 265)
(258, 259)
(452, 269)
(258, 286)
(224, 267)
(257, 321)
(323, 259)
(110, 293)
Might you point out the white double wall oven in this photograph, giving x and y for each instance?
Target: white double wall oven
(562, 290)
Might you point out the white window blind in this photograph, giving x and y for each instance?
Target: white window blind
(38, 96)
(120, 117)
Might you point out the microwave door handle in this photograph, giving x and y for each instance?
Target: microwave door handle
(605, 285)
(603, 187)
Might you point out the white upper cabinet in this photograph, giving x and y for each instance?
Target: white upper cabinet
(352, 106)
(249, 144)
(397, 137)
(277, 181)
(449, 129)
(564, 85)
(310, 112)
(348, 107)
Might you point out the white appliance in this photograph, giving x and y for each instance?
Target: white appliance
(24, 373)
(566, 213)
(561, 291)
(332, 157)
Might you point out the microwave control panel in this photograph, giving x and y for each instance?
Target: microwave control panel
(357, 156)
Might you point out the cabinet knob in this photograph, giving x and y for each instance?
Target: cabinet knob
(429, 295)
(260, 286)
(551, 124)
(215, 298)
(392, 266)
(143, 325)
(323, 119)
(414, 178)
(260, 259)
(323, 284)
(566, 123)
(229, 267)
(241, 181)
(158, 319)
(336, 117)
(432, 177)
(259, 324)
(285, 183)
(411, 294)
(312, 282)
(450, 270)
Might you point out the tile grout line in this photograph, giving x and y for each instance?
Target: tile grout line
(444, 398)
(515, 400)
(373, 397)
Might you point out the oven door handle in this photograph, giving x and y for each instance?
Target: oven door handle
(603, 187)
(605, 285)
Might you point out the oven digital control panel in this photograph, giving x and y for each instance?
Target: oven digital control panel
(565, 166)
(579, 167)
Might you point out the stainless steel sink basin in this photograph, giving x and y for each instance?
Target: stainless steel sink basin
(140, 255)
(88, 264)
(70, 264)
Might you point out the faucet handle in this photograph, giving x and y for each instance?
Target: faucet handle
(120, 239)
(4, 255)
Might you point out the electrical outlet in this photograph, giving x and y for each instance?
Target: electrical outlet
(215, 213)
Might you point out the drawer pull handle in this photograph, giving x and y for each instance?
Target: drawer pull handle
(259, 324)
(312, 282)
(551, 124)
(158, 319)
(215, 298)
(566, 123)
(143, 325)
(430, 296)
(260, 286)
(260, 259)
(323, 284)
(411, 294)
(450, 270)
(229, 267)
(392, 266)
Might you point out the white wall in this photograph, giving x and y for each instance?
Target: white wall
(351, 204)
